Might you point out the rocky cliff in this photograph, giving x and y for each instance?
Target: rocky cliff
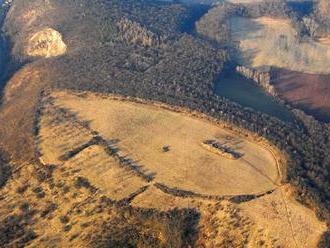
(46, 43)
(260, 76)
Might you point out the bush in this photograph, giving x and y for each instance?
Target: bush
(82, 182)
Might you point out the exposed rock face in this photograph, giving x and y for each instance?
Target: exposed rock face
(263, 78)
(46, 43)
(134, 33)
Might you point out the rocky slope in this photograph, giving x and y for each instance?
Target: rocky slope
(261, 77)
(46, 43)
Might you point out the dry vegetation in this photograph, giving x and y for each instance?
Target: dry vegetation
(283, 217)
(140, 132)
(59, 134)
(226, 224)
(105, 173)
(274, 42)
(46, 205)
(222, 222)
(49, 206)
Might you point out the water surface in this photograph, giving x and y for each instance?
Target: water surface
(245, 92)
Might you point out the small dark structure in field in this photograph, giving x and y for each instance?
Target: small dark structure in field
(221, 149)
(166, 148)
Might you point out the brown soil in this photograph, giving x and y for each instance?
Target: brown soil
(309, 92)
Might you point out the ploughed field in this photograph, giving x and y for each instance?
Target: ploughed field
(310, 92)
(155, 156)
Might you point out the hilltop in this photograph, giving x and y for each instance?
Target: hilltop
(112, 135)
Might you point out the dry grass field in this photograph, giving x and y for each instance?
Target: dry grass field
(324, 40)
(273, 42)
(155, 198)
(137, 132)
(142, 130)
(274, 220)
(104, 172)
(285, 218)
(59, 134)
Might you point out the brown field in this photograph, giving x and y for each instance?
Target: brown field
(59, 134)
(142, 130)
(310, 92)
(104, 173)
(139, 130)
(324, 40)
(285, 219)
(274, 220)
(155, 198)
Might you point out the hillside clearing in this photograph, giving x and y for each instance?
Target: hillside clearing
(104, 173)
(268, 41)
(122, 139)
(141, 131)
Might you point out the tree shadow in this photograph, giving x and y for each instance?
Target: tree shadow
(5, 169)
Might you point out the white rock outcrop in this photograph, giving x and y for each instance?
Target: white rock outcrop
(46, 43)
